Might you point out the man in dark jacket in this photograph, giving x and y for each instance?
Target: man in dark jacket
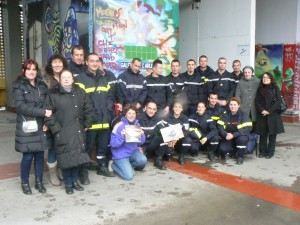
(203, 69)
(158, 89)
(133, 85)
(112, 81)
(222, 82)
(176, 82)
(150, 122)
(237, 72)
(77, 64)
(95, 84)
(194, 87)
(213, 108)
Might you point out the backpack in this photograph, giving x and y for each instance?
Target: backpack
(252, 144)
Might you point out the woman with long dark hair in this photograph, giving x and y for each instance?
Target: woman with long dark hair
(29, 94)
(269, 122)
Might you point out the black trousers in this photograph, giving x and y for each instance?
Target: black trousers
(239, 143)
(265, 148)
(151, 145)
(182, 146)
(210, 145)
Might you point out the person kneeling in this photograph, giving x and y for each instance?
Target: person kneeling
(234, 127)
(126, 153)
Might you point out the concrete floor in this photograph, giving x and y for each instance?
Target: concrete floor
(160, 197)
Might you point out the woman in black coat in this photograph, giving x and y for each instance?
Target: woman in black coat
(269, 122)
(72, 116)
(29, 94)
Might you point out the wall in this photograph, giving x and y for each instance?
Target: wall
(216, 29)
(276, 21)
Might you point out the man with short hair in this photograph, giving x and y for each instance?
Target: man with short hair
(158, 89)
(237, 72)
(213, 108)
(194, 87)
(95, 84)
(133, 85)
(222, 82)
(176, 82)
(149, 122)
(77, 64)
(203, 69)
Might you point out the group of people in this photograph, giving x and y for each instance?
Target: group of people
(78, 106)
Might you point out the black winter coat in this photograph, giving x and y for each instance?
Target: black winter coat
(272, 123)
(72, 113)
(150, 125)
(29, 102)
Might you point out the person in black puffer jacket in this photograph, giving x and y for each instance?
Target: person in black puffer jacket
(72, 116)
(29, 93)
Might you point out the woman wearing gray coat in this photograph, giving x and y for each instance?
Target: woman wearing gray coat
(246, 91)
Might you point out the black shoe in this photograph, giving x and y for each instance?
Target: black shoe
(211, 156)
(26, 188)
(240, 160)
(39, 185)
(103, 170)
(168, 157)
(261, 155)
(69, 190)
(83, 176)
(139, 168)
(77, 186)
(181, 159)
(159, 164)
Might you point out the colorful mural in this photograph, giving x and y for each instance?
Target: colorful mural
(127, 29)
(268, 58)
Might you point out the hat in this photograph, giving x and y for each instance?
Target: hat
(248, 67)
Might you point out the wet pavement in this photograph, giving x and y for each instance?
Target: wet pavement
(261, 191)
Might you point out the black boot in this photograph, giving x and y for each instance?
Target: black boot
(83, 176)
(181, 159)
(159, 164)
(211, 156)
(25, 187)
(240, 160)
(39, 185)
(77, 187)
(261, 153)
(103, 170)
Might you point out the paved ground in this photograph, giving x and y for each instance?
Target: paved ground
(196, 193)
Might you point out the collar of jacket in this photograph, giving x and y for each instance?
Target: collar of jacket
(131, 72)
(75, 64)
(62, 90)
(95, 76)
(126, 122)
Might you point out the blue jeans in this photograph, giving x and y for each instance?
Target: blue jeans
(100, 137)
(27, 161)
(70, 175)
(123, 167)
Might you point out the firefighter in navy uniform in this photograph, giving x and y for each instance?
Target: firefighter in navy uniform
(95, 84)
(150, 122)
(194, 87)
(213, 108)
(132, 85)
(234, 126)
(182, 145)
(158, 89)
(203, 132)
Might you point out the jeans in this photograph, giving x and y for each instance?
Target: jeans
(101, 137)
(123, 167)
(27, 161)
(70, 175)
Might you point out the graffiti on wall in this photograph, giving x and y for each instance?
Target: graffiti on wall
(268, 58)
(129, 29)
(70, 33)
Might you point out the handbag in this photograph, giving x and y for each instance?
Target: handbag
(29, 126)
(283, 105)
